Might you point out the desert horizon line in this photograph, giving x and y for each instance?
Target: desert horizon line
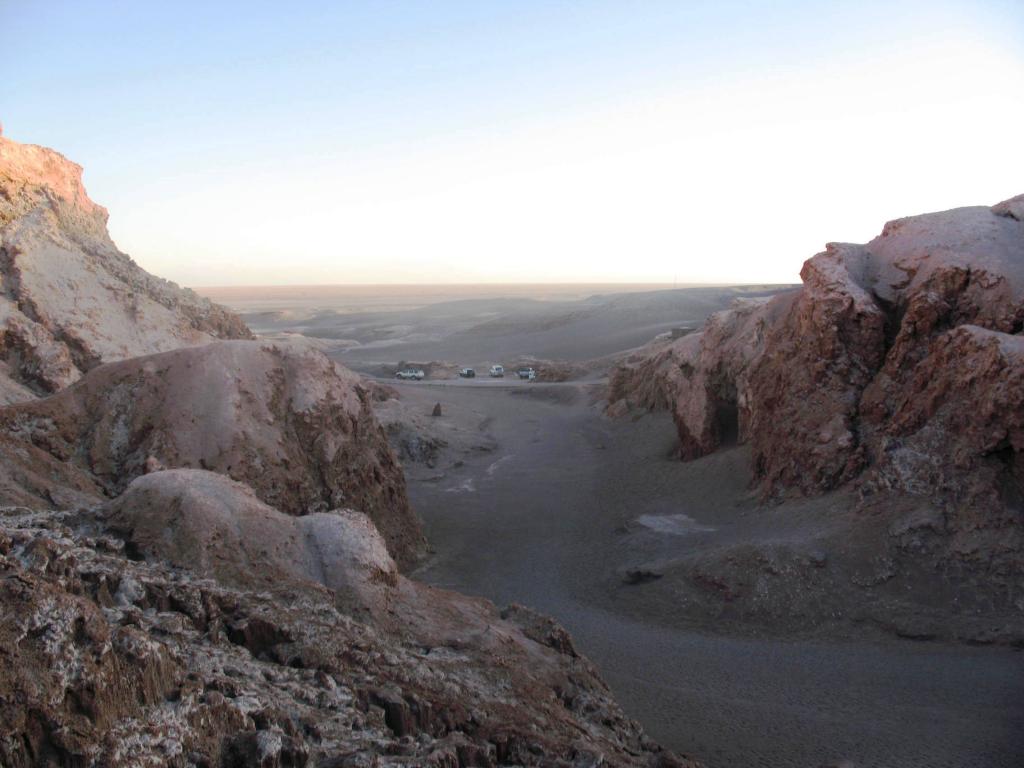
(487, 284)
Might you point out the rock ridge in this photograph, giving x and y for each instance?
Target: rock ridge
(114, 657)
(69, 299)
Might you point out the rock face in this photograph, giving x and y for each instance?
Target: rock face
(869, 327)
(282, 418)
(124, 661)
(701, 377)
(893, 381)
(900, 357)
(69, 299)
(31, 477)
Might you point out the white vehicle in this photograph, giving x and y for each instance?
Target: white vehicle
(497, 371)
(410, 374)
(527, 373)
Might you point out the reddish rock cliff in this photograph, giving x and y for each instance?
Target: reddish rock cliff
(902, 347)
(702, 377)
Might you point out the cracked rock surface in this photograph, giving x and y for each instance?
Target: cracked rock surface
(113, 660)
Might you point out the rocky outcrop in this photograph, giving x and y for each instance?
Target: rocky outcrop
(898, 357)
(891, 385)
(111, 656)
(216, 527)
(69, 299)
(701, 377)
(870, 321)
(282, 418)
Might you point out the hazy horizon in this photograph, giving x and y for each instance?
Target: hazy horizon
(466, 284)
(368, 297)
(251, 144)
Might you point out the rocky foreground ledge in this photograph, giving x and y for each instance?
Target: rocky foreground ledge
(188, 624)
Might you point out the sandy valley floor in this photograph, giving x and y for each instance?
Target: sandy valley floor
(554, 502)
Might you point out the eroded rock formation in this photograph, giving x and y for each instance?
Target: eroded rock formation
(216, 527)
(69, 299)
(280, 417)
(892, 385)
(702, 377)
(901, 350)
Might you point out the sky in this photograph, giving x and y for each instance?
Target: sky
(256, 143)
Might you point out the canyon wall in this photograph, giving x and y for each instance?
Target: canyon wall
(897, 363)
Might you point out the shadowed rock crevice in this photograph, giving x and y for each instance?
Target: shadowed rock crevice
(726, 423)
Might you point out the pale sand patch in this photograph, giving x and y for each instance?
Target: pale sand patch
(676, 525)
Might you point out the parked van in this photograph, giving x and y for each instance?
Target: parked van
(527, 373)
(497, 371)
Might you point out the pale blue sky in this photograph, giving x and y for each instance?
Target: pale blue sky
(466, 142)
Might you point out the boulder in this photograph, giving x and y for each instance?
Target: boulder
(217, 527)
